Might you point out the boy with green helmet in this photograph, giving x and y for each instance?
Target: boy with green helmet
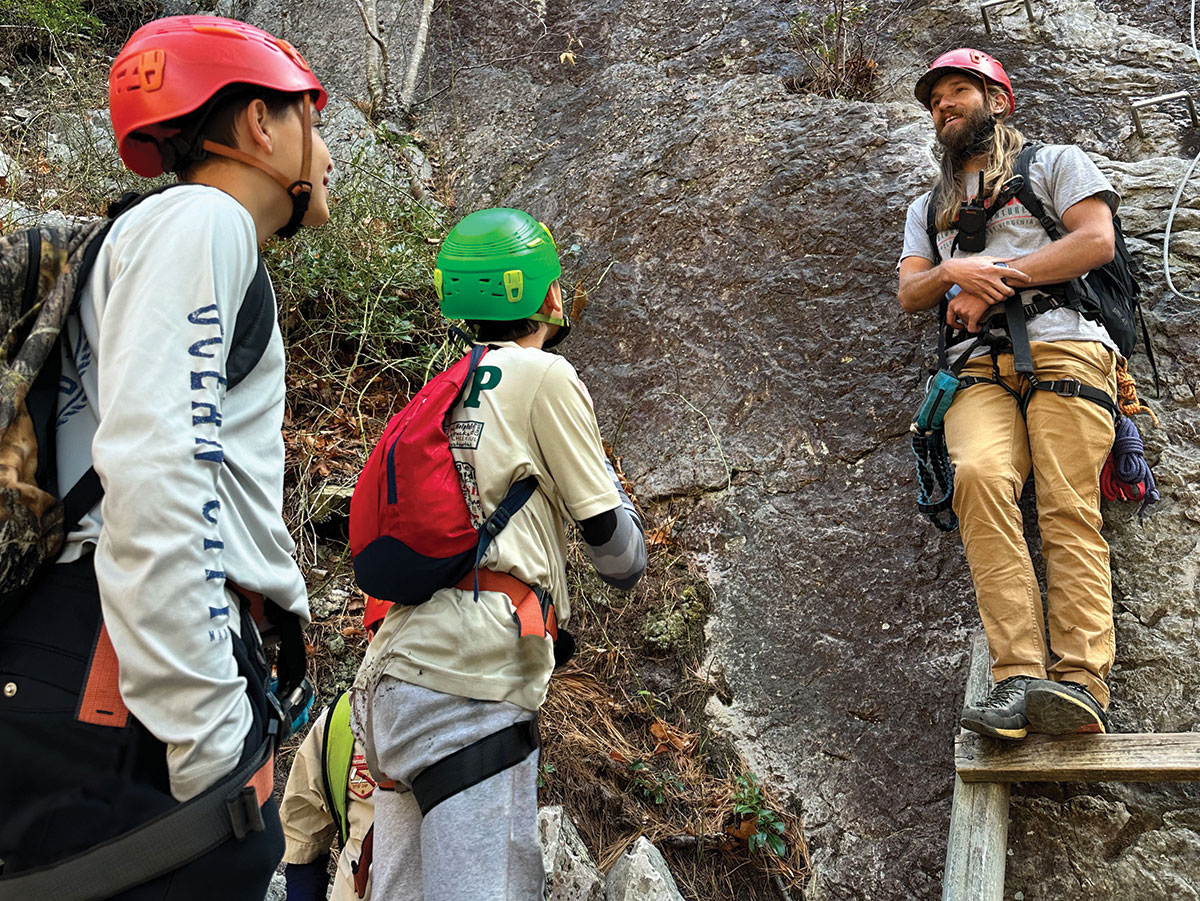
(446, 700)
(500, 265)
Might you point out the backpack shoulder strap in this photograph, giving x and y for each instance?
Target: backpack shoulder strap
(931, 228)
(337, 753)
(1026, 195)
(253, 329)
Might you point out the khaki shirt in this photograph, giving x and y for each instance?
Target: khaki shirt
(525, 414)
(308, 824)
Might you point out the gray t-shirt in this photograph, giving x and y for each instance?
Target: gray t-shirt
(1061, 175)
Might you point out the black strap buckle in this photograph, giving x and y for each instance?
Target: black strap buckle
(244, 813)
(1066, 387)
(496, 522)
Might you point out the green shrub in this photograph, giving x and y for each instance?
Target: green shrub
(358, 292)
(837, 45)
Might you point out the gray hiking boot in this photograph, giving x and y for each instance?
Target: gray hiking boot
(1063, 708)
(1002, 713)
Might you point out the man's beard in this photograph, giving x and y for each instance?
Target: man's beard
(970, 136)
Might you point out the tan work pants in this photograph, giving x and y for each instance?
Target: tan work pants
(1065, 440)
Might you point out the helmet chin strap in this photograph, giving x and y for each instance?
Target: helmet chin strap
(563, 323)
(299, 190)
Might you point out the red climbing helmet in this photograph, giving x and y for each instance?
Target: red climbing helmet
(171, 67)
(973, 62)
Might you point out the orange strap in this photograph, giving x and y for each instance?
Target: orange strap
(305, 152)
(257, 601)
(263, 781)
(362, 867)
(101, 703)
(529, 613)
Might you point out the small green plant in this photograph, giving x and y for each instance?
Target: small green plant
(57, 17)
(838, 50)
(750, 803)
(358, 292)
(654, 787)
(545, 771)
(37, 29)
(653, 702)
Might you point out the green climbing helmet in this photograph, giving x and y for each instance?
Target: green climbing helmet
(496, 264)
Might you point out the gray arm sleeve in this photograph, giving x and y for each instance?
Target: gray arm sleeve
(615, 542)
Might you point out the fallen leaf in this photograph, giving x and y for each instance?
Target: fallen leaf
(743, 829)
(580, 301)
(669, 738)
(661, 535)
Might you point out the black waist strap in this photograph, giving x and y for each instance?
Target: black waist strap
(474, 763)
(1015, 319)
(231, 808)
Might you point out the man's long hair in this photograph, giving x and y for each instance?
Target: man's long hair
(1003, 147)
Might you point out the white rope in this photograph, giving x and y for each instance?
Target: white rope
(1179, 193)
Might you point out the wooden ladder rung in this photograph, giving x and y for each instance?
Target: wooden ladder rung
(978, 841)
(1152, 757)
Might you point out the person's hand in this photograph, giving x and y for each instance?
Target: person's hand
(967, 311)
(985, 277)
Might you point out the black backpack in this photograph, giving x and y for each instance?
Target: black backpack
(42, 274)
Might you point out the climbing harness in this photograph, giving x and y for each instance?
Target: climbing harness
(475, 763)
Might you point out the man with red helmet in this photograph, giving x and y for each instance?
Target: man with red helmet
(172, 401)
(976, 253)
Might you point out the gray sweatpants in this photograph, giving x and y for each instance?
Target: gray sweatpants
(479, 845)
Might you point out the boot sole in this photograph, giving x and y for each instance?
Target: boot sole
(982, 728)
(1054, 712)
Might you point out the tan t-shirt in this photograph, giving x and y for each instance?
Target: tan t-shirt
(308, 827)
(525, 414)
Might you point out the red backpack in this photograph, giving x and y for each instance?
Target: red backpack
(410, 529)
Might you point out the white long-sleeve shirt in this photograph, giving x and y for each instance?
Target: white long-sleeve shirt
(192, 473)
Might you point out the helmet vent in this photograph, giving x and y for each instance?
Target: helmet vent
(219, 30)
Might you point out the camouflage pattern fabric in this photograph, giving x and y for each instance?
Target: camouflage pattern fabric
(31, 520)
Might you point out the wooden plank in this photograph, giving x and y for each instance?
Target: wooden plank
(978, 842)
(1152, 757)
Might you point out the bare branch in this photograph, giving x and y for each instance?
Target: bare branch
(378, 65)
(418, 54)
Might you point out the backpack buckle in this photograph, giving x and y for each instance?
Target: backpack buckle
(1067, 387)
(496, 522)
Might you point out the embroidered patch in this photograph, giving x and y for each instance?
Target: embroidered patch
(465, 435)
(360, 783)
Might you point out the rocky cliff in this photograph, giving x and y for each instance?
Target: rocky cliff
(750, 363)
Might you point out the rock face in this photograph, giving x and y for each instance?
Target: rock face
(750, 363)
(571, 875)
(641, 874)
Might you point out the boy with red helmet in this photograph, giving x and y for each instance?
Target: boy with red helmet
(147, 700)
(1036, 392)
